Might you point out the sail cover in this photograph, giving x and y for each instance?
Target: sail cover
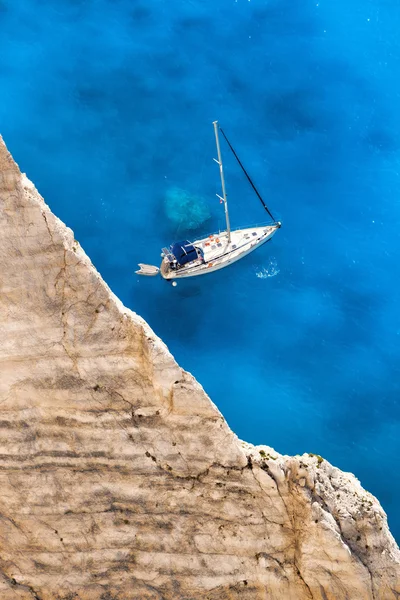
(184, 252)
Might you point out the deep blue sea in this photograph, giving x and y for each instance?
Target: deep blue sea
(107, 105)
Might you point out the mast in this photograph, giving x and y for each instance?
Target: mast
(221, 171)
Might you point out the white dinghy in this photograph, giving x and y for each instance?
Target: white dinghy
(216, 251)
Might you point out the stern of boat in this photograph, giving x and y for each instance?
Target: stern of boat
(165, 270)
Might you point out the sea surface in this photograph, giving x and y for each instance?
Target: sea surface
(108, 105)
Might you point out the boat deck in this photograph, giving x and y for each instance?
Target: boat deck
(216, 246)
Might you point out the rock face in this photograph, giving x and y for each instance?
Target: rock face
(121, 480)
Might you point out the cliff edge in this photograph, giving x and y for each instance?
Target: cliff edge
(119, 478)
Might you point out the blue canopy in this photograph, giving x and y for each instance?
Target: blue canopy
(184, 252)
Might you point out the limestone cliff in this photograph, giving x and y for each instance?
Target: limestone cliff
(121, 480)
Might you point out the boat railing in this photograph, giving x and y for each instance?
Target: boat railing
(262, 224)
(168, 254)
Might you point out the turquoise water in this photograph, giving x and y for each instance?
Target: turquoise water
(108, 105)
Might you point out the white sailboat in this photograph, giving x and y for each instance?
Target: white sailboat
(216, 251)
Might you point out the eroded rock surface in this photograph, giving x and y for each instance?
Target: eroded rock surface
(121, 480)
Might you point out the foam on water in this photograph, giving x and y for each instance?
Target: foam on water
(271, 270)
(108, 105)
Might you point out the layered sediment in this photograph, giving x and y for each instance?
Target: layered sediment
(119, 477)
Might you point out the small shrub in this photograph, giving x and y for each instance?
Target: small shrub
(318, 457)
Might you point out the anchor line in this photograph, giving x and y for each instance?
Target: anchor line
(247, 175)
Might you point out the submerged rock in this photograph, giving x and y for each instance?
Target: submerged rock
(186, 210)
(119, 477)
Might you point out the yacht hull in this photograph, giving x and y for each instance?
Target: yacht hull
(219, 252)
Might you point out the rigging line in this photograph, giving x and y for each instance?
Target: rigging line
(247, 175)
